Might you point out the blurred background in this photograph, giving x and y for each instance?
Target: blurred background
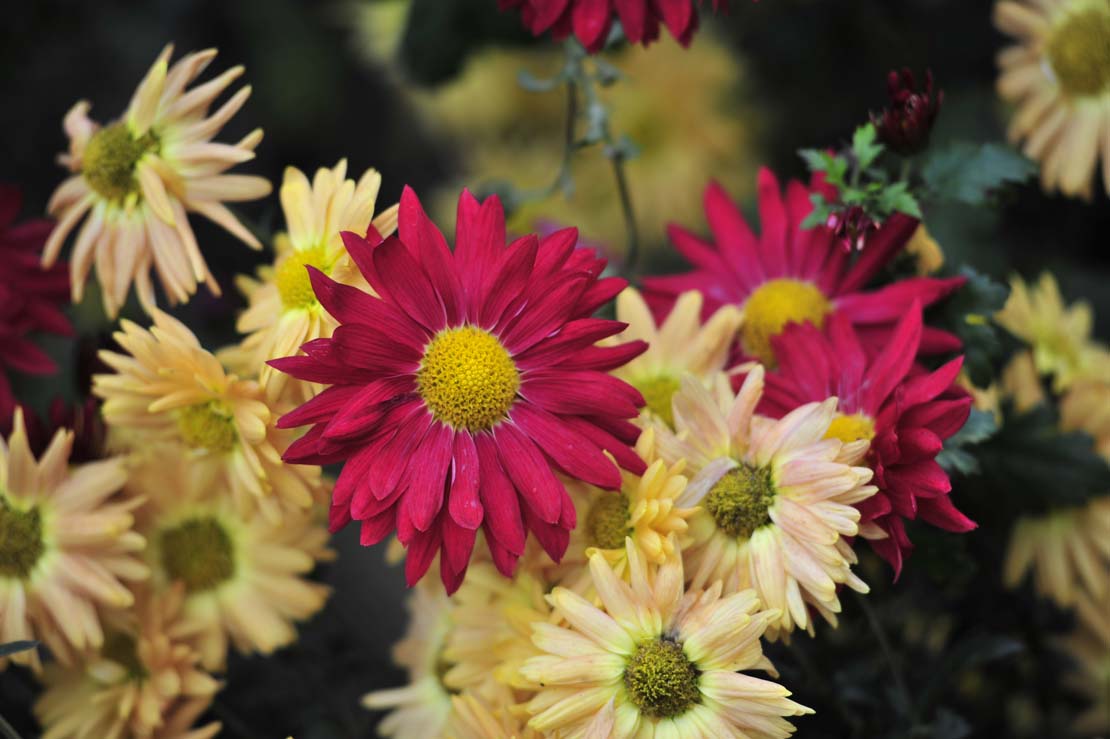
(426, 91)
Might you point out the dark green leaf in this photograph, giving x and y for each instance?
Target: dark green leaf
(980, 426)
(967, 314)
(6, 650)
(972, 173)
(968, 653)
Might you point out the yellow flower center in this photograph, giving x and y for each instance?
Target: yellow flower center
(1079, 52)
(124, 651)
(772, 306)
(855, 427)
(658, 392)
(110, 158)
(467, 378)
(198, 552)
(607, 521)
(292, 280)
(21, 542)
(208, 426)
(661, 680)
(740, 501)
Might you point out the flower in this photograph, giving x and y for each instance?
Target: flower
(283, 312)
(777, 499)
(927, 254)
(590, 20)
(681, 344)
(1089, 648)
(145, 681)
(169, 388)
(30, 296)
(1086, 407)
(65, 548)
(245, 578)
(791, 274)
(476, 718)
(851, 227)
(1058, 75)
(137, 177)
(905, 412)
(904, 127)
(456, 393)
(653, 661)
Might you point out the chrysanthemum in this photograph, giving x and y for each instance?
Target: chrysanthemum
(30, 296)
(137, 177)
(790, 274)
(590, 20)
(1059, 77)
(1086, 407)
(146, 681)
(1089, 647)
(169, 388)
(420, 709)
(680, 345)
(904, 412)
(777, 499)
(1059, 335)
(457, 394)
(473, 717)
(655, 662)
(245, 578)
(283, 312)
(64, 548)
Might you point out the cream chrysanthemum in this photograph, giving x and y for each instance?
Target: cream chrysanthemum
(283, 312)
(169, 388)
(1089, 647)
(1059, 76)
(246, 579)
(777, 499)
(477, 718)
(652, 661)
(680, 345)
(66, 547)
(137, 177)
(145, 682)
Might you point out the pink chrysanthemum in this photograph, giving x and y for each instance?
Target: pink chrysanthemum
(794, 275)
(905, 412)
(30, 297)
(459, 390)
(590, 20)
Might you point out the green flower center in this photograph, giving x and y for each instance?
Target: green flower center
(468, 378)
(1079, 52)
(658, 392)
(123, 649)
(741, 500)
(607, 521)
(660, 680)
(21, 542)
(208, 426)
(199, 553)
(292, 281)
(110, 159)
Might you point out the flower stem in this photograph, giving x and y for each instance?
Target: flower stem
(888, 653)
(632, 255)
(7, 731)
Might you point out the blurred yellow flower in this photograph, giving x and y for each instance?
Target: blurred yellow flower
(927, 254)
(1089, 647)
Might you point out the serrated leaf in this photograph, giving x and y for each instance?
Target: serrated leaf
(967, 314)
(865, 146)
(979, 427)
(6, 650)
(972, 173)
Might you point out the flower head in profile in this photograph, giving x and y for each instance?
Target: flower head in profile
(134, 180)
(591, 20)
(789, 274)
(31, 297)
(1058, 75)
(904, 412)
(904, 126)
(282, 311)
(145, 681)
(463, 386)
(654, 661)
(67, 548)
(777, 499)
(679, 345)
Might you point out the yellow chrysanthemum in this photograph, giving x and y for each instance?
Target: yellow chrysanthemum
(1089, 647)
(1086, 407)
(477, 718)
(654, 662)
(777, 499)
(680, 345)
(137, 177)
(1059, 77)
(246, 579)
(169, 388)
(144, 683)
(283, 312)
(927, 254)
(66, 547)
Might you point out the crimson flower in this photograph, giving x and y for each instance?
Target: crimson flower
(463, 386)
(591, 20)
(904, 411)
(905, 125)
(789, 274)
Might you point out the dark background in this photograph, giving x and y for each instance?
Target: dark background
(815, 67)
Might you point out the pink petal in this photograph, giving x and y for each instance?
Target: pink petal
(575, 455)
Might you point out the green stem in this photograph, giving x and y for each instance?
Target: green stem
(7, 730)
(888, 653)
(633, 253)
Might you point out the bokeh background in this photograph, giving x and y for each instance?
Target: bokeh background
(426, 92)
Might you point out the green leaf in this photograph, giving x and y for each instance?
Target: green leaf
(6, 650)
(980, 426)
(898, 198)
(865, 146)
(968, 653)
(973, 173)
(967, 314)
(820, 213)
